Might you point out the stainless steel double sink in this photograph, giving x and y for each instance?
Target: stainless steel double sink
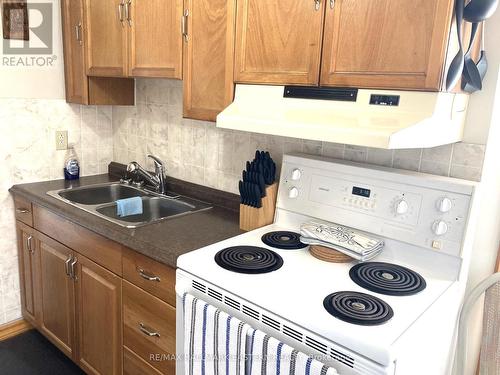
(100, 200)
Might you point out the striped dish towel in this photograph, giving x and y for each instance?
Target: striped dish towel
(269, 356)
(214, 342)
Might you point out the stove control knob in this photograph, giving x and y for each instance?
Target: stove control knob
(401, 207)
(444, 205)
(296, 174)
(293, 193)
(440, 227)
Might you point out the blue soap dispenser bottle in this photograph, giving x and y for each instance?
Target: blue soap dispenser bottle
(71, 165)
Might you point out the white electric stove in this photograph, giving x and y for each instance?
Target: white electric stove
(398, 320)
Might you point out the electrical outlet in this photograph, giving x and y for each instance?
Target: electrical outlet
(61, 140)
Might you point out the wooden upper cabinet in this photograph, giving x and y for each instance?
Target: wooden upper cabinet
(386, 43)
(279, 42)
(81, 89)
(99, 318)
(74, 53)
(155, 38)
(208, 57)
(106, 39)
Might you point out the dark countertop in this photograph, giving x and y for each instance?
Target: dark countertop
(163, 241)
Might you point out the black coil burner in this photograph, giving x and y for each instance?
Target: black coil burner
(283, 240)
(248, 259)
(358, 308)
(387, 278)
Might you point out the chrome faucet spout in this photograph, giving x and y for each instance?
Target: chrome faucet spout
(157, 180)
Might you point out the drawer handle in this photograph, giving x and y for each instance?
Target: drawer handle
(147, 276)
(22, 211)
(148, 331)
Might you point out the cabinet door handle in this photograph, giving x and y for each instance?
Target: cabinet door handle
(148, 331)
(22, 210)
(72, 269)
(128, 4)
(317, 4)
(29, 244)
(66, 265)
(120, 12)
(78, 33)
(146, 276)
(332, 4)
(185, 25)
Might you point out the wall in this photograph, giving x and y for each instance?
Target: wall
(199, 152)
(481, 103)
(36, 82)
(27, 154)
(487, 239)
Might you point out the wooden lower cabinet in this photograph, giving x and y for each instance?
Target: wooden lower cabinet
(149, 328)
(98, 313)
(81, 308)
(106, 324)
(57, 320)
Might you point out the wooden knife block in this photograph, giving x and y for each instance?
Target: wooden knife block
(252, 218)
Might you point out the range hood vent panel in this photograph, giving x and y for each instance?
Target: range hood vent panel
(324, 93)
(420, 120)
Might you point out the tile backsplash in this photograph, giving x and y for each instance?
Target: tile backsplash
(27, 154)
(199, 152)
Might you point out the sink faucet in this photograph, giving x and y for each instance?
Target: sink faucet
(157, 179)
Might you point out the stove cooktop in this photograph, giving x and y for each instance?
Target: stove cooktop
(297, 289)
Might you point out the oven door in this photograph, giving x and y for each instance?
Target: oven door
(344, 361)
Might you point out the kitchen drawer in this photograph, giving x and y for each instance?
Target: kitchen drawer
(152, 276)
(149, 328)
(134, 365)
(24, 211)
(97, 248)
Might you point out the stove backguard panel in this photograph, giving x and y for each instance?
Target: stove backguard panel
(430, 213)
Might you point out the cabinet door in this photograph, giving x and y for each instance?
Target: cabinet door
(57, 315)
(384, 43)
(155, 38)
(28, 272)
(208, 58)
(74, 66)
(99, 318)
(279, 42)
(106, 42)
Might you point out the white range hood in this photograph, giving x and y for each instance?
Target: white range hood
(420, 119)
